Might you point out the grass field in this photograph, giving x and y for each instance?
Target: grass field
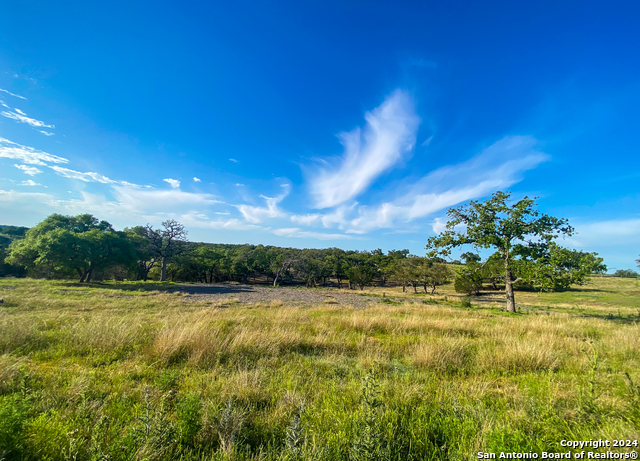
(140, 371)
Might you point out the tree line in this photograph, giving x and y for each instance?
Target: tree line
(519, 243)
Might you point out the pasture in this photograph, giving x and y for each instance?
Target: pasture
(133, 371)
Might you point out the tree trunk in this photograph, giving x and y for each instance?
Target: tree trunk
(415, 288)
(508, 288)
(404, 287)
(81, 274)
(88, 279)
(163, 272)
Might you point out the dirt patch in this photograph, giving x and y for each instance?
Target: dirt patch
(252, 294)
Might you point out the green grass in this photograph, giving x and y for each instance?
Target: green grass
(125, 371)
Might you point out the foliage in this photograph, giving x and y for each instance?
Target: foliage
(626, 273)
(468, 282)
(7, 235)
(511, 228)
(64, 245)
(550, 267)
(82, 246)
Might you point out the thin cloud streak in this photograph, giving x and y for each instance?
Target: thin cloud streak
(388, 138)
(12, 94)
(29, 155)
(296, 232)
(20, 116)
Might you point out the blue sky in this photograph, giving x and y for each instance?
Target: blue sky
(316, 124)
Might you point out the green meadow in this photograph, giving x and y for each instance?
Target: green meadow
(142, 371)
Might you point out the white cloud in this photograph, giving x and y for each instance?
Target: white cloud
(172, 182)
(9, 149)
(164, 200)
(238, 185)
(86, 177)
(306, 220)
(388, 138)
(297, 233)
(19, 117)
(12, 94)
(255, 214)
(46, 133)
(233, 160)
(30, 170)
(483, 174)
(196, 179)
(615, 232)
(29, 182)
(200, 220)
(439, 225)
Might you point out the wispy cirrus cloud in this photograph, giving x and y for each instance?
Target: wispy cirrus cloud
(495, 167)
(254, 214)
(30, 170)
(12, 94)
(388, 137)
(29, 155)
(46, 133)
(481, 175)
(86, 177)
(29, 182)
(20, 116)
(296, 232)
(612, 232)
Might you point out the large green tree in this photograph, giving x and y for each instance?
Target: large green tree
(72, 244)
(504, 225)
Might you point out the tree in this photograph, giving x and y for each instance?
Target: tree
(432, 274)
(551, 267)
(468, 282)
(7, 235)
(72, 244)
(337, 263)
(146, 257)
(470, 257)
(407, 272)
(626, 273)
(498, 223)
(281, 264)
(166, 243)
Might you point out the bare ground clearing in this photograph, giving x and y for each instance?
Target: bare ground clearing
(256, 294)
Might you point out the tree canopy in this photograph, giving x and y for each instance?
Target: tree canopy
(523, 240)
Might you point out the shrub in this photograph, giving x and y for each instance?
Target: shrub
(469, 284)
(626, 273)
